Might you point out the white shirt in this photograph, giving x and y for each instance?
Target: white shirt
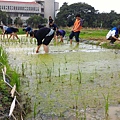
(4, 27)
(110, 33)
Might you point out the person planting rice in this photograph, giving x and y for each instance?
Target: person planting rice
(27, 30)
(44, 36)
(60, 33)
(12, 31)
(113, 34)
(3, 28)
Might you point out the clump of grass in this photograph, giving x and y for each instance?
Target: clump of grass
(108, 46)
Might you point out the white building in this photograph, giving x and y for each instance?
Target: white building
(24, 10)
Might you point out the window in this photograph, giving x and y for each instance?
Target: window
(42, 9)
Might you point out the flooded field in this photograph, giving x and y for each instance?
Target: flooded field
(70, 83)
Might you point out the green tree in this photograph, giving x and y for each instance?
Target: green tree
(5, 18)
(34, 20)
(92, 17)
(67, 14)
(18, 21)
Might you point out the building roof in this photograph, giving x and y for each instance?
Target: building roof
(18, 2)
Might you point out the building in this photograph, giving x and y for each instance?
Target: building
(24, 10)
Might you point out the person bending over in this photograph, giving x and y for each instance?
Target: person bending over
(44, 36)
(60, 33)
(12, 31)
(113, 34)
(3, 28)
(27, 30)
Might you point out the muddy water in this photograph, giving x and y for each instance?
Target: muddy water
(69, 83)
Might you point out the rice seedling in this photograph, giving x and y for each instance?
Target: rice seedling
(53, 66)
(35, 108)
(65, 62)
(59, 70)
(49, 71)
(37, 84)
(23, 73)
(106, 98)
(79, 76)
(40, 81)
(31, 69)
(70, 78)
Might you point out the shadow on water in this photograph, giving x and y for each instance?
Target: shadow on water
(69, 83)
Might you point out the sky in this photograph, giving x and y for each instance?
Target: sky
(101, 5)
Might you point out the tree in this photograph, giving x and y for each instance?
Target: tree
(18, 21)
(34, 20)
(92, 17)
(67, 14)
(4, 18)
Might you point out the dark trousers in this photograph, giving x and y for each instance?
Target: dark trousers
(76, 34)
(112, 40)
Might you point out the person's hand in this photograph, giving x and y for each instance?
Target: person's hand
(37, 51)
(118, 38)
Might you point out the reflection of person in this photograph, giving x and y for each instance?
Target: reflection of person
(60, 33)
(44, 36)
(76, 29)
(3, 28)
(12, 31)
(27, 30)
(113, 34)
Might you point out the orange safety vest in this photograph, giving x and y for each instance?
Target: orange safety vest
(77, 26)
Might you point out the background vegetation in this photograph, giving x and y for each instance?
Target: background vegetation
(65, 17)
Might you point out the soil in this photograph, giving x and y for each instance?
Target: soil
(5, 104)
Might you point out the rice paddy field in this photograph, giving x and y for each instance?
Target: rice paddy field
(71, 82)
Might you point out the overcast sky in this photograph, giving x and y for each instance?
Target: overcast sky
(101, 5)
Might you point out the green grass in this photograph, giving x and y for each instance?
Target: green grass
(11, 74)
(89, 33)
(93, 33)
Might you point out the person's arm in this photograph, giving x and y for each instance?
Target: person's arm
(38, 47)
(113, 35)
(61, 37)
(115, 38)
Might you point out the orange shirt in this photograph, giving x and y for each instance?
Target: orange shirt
(77, 26)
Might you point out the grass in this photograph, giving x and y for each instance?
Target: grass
(11, 77)
(93, 34)
(90, 33)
